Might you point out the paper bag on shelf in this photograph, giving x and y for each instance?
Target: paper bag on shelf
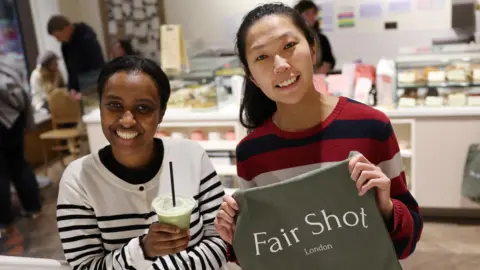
(173, 57)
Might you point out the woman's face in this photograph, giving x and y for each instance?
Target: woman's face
(310, 16)
(130, 111)
(280, 59)
(118, 50)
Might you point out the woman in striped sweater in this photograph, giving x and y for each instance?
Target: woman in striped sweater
(104, 212)
(295, 129)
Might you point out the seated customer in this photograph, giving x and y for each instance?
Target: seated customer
(45, 78)
(104, 212)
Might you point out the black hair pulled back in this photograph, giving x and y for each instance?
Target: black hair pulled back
(256, 108)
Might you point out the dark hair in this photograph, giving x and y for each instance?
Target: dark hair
(305, 5)
(46, 58)
(57, 23)
(126, 46)
(256, 107)
(134, 63)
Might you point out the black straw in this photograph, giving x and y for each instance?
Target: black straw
(172, 184)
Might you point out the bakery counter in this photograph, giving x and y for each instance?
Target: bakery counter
(227, 112)
(230, 112)
(429, 112)
(434, 144)
(438, 142)
(184, 121)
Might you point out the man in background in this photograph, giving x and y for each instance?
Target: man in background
(325, 59)
(81, 51)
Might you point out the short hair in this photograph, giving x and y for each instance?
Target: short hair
(127, 47)
(57, 23)
(134, 63)
(305, 5)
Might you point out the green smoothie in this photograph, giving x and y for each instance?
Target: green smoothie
(178, 215)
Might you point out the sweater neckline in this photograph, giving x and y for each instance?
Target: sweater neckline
(312, 130)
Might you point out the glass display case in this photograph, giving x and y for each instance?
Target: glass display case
(193, 94)
(202, 87)
(439, 76)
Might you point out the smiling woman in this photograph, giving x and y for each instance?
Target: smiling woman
(134, 95)
(104, 212)
(295, 129)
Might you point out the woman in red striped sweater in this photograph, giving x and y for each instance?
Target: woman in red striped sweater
(294, 129)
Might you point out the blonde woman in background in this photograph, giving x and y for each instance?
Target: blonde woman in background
(44, 79)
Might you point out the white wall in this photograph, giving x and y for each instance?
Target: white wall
(209, 23)
(213, 23)
(77, 11)
(41, 12)
(86, 11)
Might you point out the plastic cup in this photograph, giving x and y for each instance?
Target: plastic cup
(168, 214)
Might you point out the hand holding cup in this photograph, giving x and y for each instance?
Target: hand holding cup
(163, 239)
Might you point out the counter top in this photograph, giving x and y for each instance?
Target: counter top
(420, 112)
(230, 112)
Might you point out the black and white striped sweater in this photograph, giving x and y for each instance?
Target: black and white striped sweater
(101, 218)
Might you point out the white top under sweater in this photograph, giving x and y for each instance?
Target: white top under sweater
(101, 218)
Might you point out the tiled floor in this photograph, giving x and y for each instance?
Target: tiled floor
(442, 247)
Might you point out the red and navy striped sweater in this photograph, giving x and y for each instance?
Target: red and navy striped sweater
(269, 155)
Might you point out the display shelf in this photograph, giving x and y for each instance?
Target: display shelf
(218, 145)
(442, 76)
(226, 169)
(438, 85)
(191, 124)
(420, 112)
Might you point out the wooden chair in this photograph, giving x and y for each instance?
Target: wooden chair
(64, 111)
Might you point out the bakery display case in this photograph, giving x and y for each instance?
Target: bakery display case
(439, 76)
(204, 86)
(193, 94)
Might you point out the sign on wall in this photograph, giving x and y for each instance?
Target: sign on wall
(371, 15)
(137, 20)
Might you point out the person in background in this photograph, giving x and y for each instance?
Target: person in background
(123, 47)
(45, 78)
(294, 129)
(16, 115)
(104, 212)
(325, 61)
(81, 51)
